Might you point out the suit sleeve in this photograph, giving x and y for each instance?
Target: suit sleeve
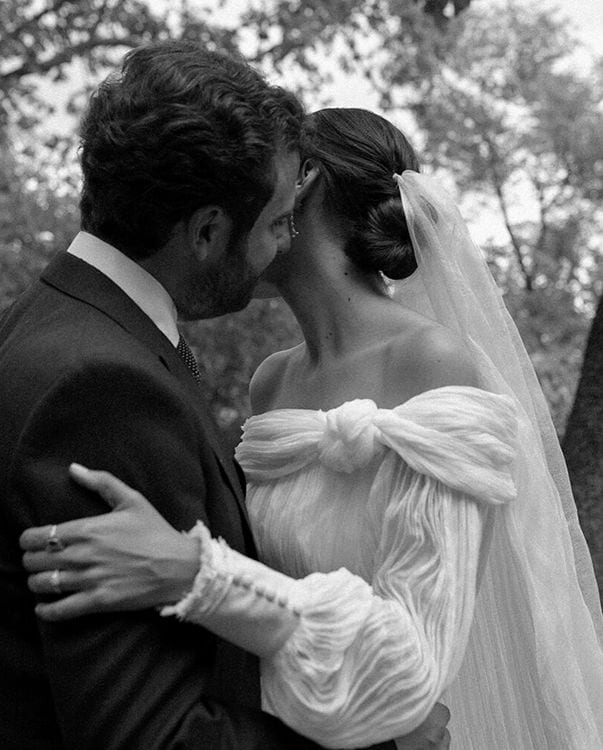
(133, 680)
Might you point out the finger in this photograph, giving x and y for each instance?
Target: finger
(116, 493)
(36, 538)
(434, 726)
(76, 605)
(444, 743)
(69, 558)
(44, 583)
(439, 715)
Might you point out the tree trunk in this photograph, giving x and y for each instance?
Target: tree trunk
(583, 445)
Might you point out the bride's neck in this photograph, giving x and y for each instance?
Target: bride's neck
(334, 303)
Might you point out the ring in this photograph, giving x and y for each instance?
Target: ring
(53, 543)
(55, 581)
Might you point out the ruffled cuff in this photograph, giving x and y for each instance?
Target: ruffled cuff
(211, 582)
(238, 598)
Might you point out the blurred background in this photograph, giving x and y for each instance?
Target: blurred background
(503, 100)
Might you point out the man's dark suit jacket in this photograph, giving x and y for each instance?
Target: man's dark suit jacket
(86, 376)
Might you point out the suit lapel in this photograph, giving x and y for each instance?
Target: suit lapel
(82, 281)
(177, 367)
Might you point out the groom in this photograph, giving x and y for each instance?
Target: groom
(189, 161)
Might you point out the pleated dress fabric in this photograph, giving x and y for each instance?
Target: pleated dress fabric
(401, 504)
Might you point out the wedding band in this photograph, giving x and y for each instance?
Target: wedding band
(55, 581)
(53, 543)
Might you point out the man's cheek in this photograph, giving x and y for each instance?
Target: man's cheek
(262, 250)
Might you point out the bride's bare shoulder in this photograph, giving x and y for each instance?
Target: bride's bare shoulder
(268, 377)
(431, 356)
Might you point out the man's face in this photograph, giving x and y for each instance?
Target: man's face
(226, 282)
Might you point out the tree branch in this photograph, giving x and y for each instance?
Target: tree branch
(66, 55)
(514, 240)
(542, 210)
(498, 189)
(277, 52)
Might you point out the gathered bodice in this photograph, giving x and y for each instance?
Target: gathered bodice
(384, 515)
(320, 481)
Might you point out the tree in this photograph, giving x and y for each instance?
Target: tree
(35, 220)
(43, 39)
(506, 118)
(506, 114)
(583, 445)
(38, 191)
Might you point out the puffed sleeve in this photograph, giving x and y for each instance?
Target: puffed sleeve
(367, 661)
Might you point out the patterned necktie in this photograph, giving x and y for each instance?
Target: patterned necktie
(187, 356)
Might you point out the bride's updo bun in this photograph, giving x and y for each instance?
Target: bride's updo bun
(357, 153)
(385, 244)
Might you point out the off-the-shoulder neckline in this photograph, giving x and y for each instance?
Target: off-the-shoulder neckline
(464, 389)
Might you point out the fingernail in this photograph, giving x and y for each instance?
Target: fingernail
(78, 467)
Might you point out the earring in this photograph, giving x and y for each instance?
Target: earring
(292, 229)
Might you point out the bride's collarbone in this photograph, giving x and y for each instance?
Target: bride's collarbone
(381, 373)
(389, 371)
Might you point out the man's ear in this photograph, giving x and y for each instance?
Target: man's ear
(208, 231)
(307, 177)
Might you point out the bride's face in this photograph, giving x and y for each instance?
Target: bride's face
(271, 233)
(303, 224)
(281, 265)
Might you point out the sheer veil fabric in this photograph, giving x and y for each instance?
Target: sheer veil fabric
(532, 677)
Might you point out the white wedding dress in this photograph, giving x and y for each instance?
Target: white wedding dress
(384, 523)
(400, 498)
(376, 528)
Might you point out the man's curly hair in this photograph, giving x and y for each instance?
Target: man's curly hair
(179, 128)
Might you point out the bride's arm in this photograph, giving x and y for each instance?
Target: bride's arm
(364, 662)
(343, 663)
(131, 558)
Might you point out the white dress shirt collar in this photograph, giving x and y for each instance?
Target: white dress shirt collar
(142, 288)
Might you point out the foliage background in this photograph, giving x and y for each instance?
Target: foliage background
(500, 98)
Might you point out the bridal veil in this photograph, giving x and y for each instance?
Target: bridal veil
(533, 669)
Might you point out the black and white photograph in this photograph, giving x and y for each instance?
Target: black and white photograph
(301, 375)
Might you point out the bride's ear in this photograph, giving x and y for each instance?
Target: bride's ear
(307, 177)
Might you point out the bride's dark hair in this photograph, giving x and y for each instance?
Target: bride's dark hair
(358, 152)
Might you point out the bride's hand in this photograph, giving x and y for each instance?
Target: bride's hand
(128, 559)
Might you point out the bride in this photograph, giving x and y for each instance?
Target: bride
(405, 488)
